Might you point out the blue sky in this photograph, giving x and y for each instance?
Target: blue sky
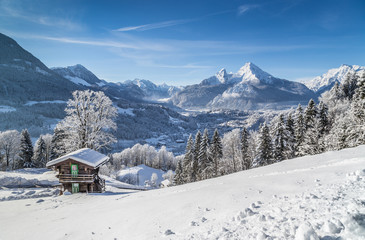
(183, 42)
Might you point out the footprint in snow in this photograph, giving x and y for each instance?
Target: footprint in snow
(169, 232)
(40, 200)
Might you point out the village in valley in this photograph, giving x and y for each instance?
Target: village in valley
(200, 152)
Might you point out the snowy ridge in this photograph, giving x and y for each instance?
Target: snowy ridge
(312, 197)
(327, 80)
(244, 90)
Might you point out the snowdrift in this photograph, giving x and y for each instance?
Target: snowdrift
(313, 197)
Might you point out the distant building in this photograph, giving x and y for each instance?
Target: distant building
(78, 171)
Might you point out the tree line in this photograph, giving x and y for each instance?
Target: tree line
(336, 122)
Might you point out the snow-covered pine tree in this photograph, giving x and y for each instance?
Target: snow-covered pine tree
(310, 144)
(357, 131)
(323, 122)
(264, 149)
(26, 150)
(216, 150)
(58, 148)
(299, 129)
(245, 155)
(195, 176)
(280, 139)
(188, 161)
(349, 85)
(179, 176)
(291, 136)
(203, 157)
(39, 156)
(310, 114)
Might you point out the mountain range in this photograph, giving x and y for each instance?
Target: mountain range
(33, 96)
(249, 88)
(325, 82)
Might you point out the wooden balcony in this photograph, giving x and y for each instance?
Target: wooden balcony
(69, 178)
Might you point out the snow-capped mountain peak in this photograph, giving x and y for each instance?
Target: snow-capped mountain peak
(252, 73)
(326, 81)
(222, 75)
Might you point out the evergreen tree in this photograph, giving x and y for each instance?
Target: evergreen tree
(310, 115)
(299, 129)
(179, 176)
(195, 164)
(311, 144)
(39, 157)
(58, 148)
(216, 153)
(357, 111)
(323, 126)
(311, 137)
(26, 150)
(264, 151)
(203, 157)
(188, 161)
(246, 159)
(291, 136)
(280, 139)
(349, 85)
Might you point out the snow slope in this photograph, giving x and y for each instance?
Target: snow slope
(138, 175)
(313, 197)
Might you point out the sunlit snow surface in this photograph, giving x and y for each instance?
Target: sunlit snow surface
(313, 197)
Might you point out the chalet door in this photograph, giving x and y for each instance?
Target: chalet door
(74, 170)
(75, 187)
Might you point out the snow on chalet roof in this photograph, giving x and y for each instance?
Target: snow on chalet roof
(85, 155)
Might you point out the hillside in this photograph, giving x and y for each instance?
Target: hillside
(312, 197)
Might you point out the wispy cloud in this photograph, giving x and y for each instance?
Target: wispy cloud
(245, 8)
(11, 9)
(150, 26)
(169, 23)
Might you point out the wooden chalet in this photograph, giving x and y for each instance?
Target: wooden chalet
(78, 171)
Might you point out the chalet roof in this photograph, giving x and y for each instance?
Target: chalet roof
(85, 155)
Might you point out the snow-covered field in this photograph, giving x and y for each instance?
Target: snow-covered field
(313, 197)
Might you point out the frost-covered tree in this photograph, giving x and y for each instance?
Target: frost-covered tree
(89, 121)
(264, 149)
(203, 157)
(187, 163)
(280, 136)
(179, 176)
(169, 175)
(39, 156)
(245, 154)
(216, 150)
(311, 137)
(299, 129)
(195, 163)
(26, 150)
(323, 122)
(165, 159)
(154, 179)
(47, 138)
(9, 147)
(290, 127)
(232, 151)
(310, 114)
(58, 147)
(349, 85)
